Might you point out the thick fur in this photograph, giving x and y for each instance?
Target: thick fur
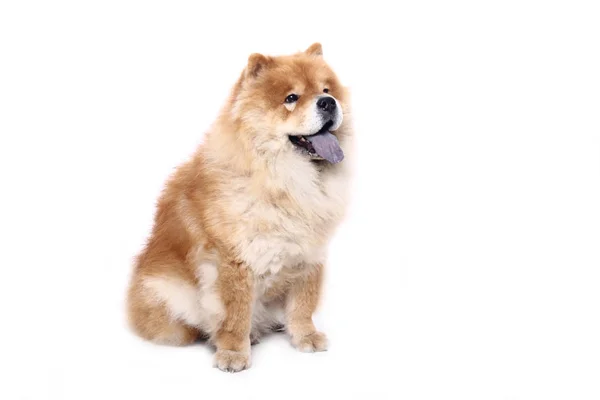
(241, 230)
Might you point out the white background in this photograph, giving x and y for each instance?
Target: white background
(467, 269)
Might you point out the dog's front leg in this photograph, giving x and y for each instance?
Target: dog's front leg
(235, 286)
(301, 303)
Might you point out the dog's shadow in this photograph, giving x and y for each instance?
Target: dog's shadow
(204, 339)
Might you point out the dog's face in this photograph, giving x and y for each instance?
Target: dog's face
(292, 104)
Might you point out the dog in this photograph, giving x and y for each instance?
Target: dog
(241, 230)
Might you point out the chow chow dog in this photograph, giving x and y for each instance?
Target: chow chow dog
(241, 230)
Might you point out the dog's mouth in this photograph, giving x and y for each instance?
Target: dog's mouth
(322, 145)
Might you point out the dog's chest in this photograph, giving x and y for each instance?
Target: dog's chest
(272, 235)
(285, 245)
(272, 239)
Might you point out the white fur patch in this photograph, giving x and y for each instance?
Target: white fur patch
(267, 254)
(197, 306)
(180, 298)
(209, 299)
(313, 120)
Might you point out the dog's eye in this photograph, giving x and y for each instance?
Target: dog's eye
(325, 90)
(292, 98)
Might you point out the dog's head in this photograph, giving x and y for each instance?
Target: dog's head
(291, 104)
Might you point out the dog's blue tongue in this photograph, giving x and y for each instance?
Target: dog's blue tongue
(327, 146)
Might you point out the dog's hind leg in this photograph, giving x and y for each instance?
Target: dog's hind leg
(157, 310)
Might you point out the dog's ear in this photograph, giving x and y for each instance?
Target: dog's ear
(256, 63)
(315, 50)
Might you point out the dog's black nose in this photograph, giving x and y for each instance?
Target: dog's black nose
(326, 104)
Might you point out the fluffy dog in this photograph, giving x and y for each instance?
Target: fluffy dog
(241, 230)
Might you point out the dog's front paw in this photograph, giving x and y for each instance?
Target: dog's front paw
(231, 361)
(316, 341)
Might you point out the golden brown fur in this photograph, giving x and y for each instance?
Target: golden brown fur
(241, 230)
